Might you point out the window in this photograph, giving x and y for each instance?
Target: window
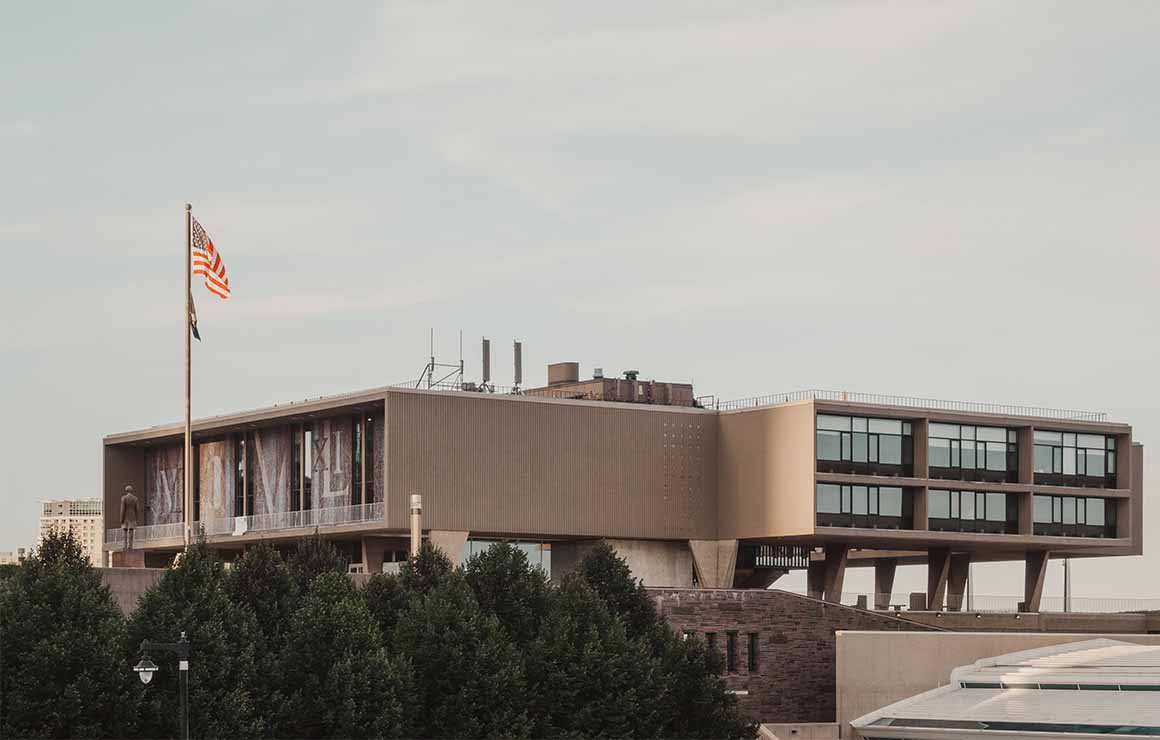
(972, 511)
(239, 475)
(356, 461)
(1074, 516)
(968, 452)
(863, 444)
(730, 652)
(1070, 458)
(307, 467)
(296, 471)
(882, 507)
(753, 653)
(711, 640)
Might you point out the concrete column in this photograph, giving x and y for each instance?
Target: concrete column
(938, 565)
(921, 509)
(920, 429)
(450, 542)
(958, 573)
(372, 554)
(1025, 439)
(1034, 575)
(835, 573)
(715, 562)
(816, 579)
(884, 569)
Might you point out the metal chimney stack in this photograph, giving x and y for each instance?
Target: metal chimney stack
(416, 524)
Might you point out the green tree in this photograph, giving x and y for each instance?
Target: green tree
(339, 681)
(586, 677)
(429, 569)
(62, 669)
(609, 575)
(223, 682)
(261, 582)
(386, 598)
(314, 556)
(506, 585)
(469, 679)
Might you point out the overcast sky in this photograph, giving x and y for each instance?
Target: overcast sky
(956, 200)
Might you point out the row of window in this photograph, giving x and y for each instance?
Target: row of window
(854, 444)
(731, 639)
(891, 507)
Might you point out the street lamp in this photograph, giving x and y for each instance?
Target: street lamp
(145, 669)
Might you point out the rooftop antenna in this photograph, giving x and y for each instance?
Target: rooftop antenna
(452, 379)
(518, 348)
(486, 383)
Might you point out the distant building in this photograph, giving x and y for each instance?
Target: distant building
(13, 557)
(1089, 689)
(83, 518)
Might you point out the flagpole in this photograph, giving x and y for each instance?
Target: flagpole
(187, 486)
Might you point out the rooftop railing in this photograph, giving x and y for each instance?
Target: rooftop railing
(238, 525)
(915, 402)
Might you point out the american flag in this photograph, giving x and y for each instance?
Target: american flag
(208, 263)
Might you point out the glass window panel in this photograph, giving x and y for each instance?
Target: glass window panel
(1069, 439)
(1068, 461)
(967, 507)
(845, 445)
(1080, 517)
(955, 505)
(829, 445)
(890, 449)
(940, 452)
(949, 431)
(886, 426)
(1042, 509)
(859, 424)
(997, 456)
(1111, 443)
(939, 503)
(1048, 438)
(1057, 459)
(907, 429)
(1095, 463)
(873, 501)
(1056, 509)
(829, 498)
(996, 507)
(991, 434)
(861, 505)
(955, 457)
(969, 455)
(874, 448)
(980, 505)
(967, 432)
(1012, 436)
(1069, 510)
(835, 423)
(1095, 512)
(860, 452)
(890, 501)
(845, 499)
(1080, 462)
(1043, 459)
(1091, 440)
(1111, 462)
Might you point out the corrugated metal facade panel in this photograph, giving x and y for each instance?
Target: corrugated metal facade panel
(502, 465)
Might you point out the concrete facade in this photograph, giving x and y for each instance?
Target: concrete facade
(656, 563)
(875, 669)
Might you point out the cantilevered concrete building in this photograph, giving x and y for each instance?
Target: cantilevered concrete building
(690, 493)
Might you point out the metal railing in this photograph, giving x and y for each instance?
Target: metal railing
(237, 525)
(911, 402)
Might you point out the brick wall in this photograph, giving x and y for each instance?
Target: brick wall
(795, 677)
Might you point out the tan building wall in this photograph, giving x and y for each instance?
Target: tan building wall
(551, 468)
(83, 518)
(766, 472)
(875, 669)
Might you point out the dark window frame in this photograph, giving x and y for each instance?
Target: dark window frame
(1058, 528)
(872, 518)
(1059, 451)
(864, 439)
(982, 520)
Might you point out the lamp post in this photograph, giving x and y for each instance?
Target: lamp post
(146, 668)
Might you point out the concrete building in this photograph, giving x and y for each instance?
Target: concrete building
(1088, 689)
(13, 557)
(83, 518)
(712, 494)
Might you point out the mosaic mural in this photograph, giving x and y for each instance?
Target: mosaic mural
(215, 480)
(271, 468)
(330, 463)
(163, 484)
(379, 428)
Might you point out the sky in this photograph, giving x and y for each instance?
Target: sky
(953, 200)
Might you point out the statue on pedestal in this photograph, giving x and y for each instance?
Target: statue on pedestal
(129, 512)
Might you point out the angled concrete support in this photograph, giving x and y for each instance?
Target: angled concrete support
(450, 542)
(960, 568)
(938, 565)
(835, 572)
(884, 569)
(1034, 575)
(816, 579)
(715, 562)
